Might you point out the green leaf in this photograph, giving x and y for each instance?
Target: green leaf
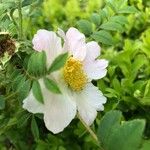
(103, 14)
(58, 63)
(111, 5)
(37, 64)
(27, 2)
(21, 86)
(96, 19)
(116, 85)
(85, 26)
(119, 19)
(127, 134)
(24, 90)
(51, 85)
(22, 119)
(147, 88)
(112, 26)
(103, 37)
(34, 128)
(2, 102)
(128, 9)
(36, 89)
(146, 145)
(110, 121)
(18, 81)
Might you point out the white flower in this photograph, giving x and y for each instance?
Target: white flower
(74, 80)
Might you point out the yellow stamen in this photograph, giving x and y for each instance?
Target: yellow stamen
(74, 75)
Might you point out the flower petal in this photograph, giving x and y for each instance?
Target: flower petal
(32, 105)
(75, 42)
(93, 51)
(89, 101)
(96, 69)
(59, 111)
(49, 42)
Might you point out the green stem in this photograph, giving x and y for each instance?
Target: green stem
(11, 95)
(20, 19)
(89, 130)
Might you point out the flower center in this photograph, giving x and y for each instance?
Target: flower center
(74, 75)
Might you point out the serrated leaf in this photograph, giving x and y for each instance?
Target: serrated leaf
(112, 26)
(111, 5)
(103, 37)
(34, 128)
(51, 85)
(37, 64)
(119, 19)
(24, 90)
(85, 26)
(103, 14)
(58, 63)
(95, 18)
(27, 2)
(23, 119)
(18, 81)
(128, 9)
(36, 89)
(2, 102)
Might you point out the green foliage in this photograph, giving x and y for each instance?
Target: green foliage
(58, 63)
(2, 102)
(110, 18)
(51, 85)
(146, 145)
(36, 89)
(103, 37)
(110, 130)
(37, 64)
(34, 128)
(85, 26)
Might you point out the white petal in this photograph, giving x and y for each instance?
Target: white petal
(96, 69)
(93, 51)
(49, 42)
(89, 101)
(59, 111)
(75, 42)
(32, 105)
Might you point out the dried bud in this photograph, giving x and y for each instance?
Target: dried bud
(8, 47)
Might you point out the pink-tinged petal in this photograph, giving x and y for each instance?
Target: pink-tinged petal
(49, 42)
(89, 101)
(93, 51)
(32, 105)
(96, 69)
(75, 43)
(60, 109)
